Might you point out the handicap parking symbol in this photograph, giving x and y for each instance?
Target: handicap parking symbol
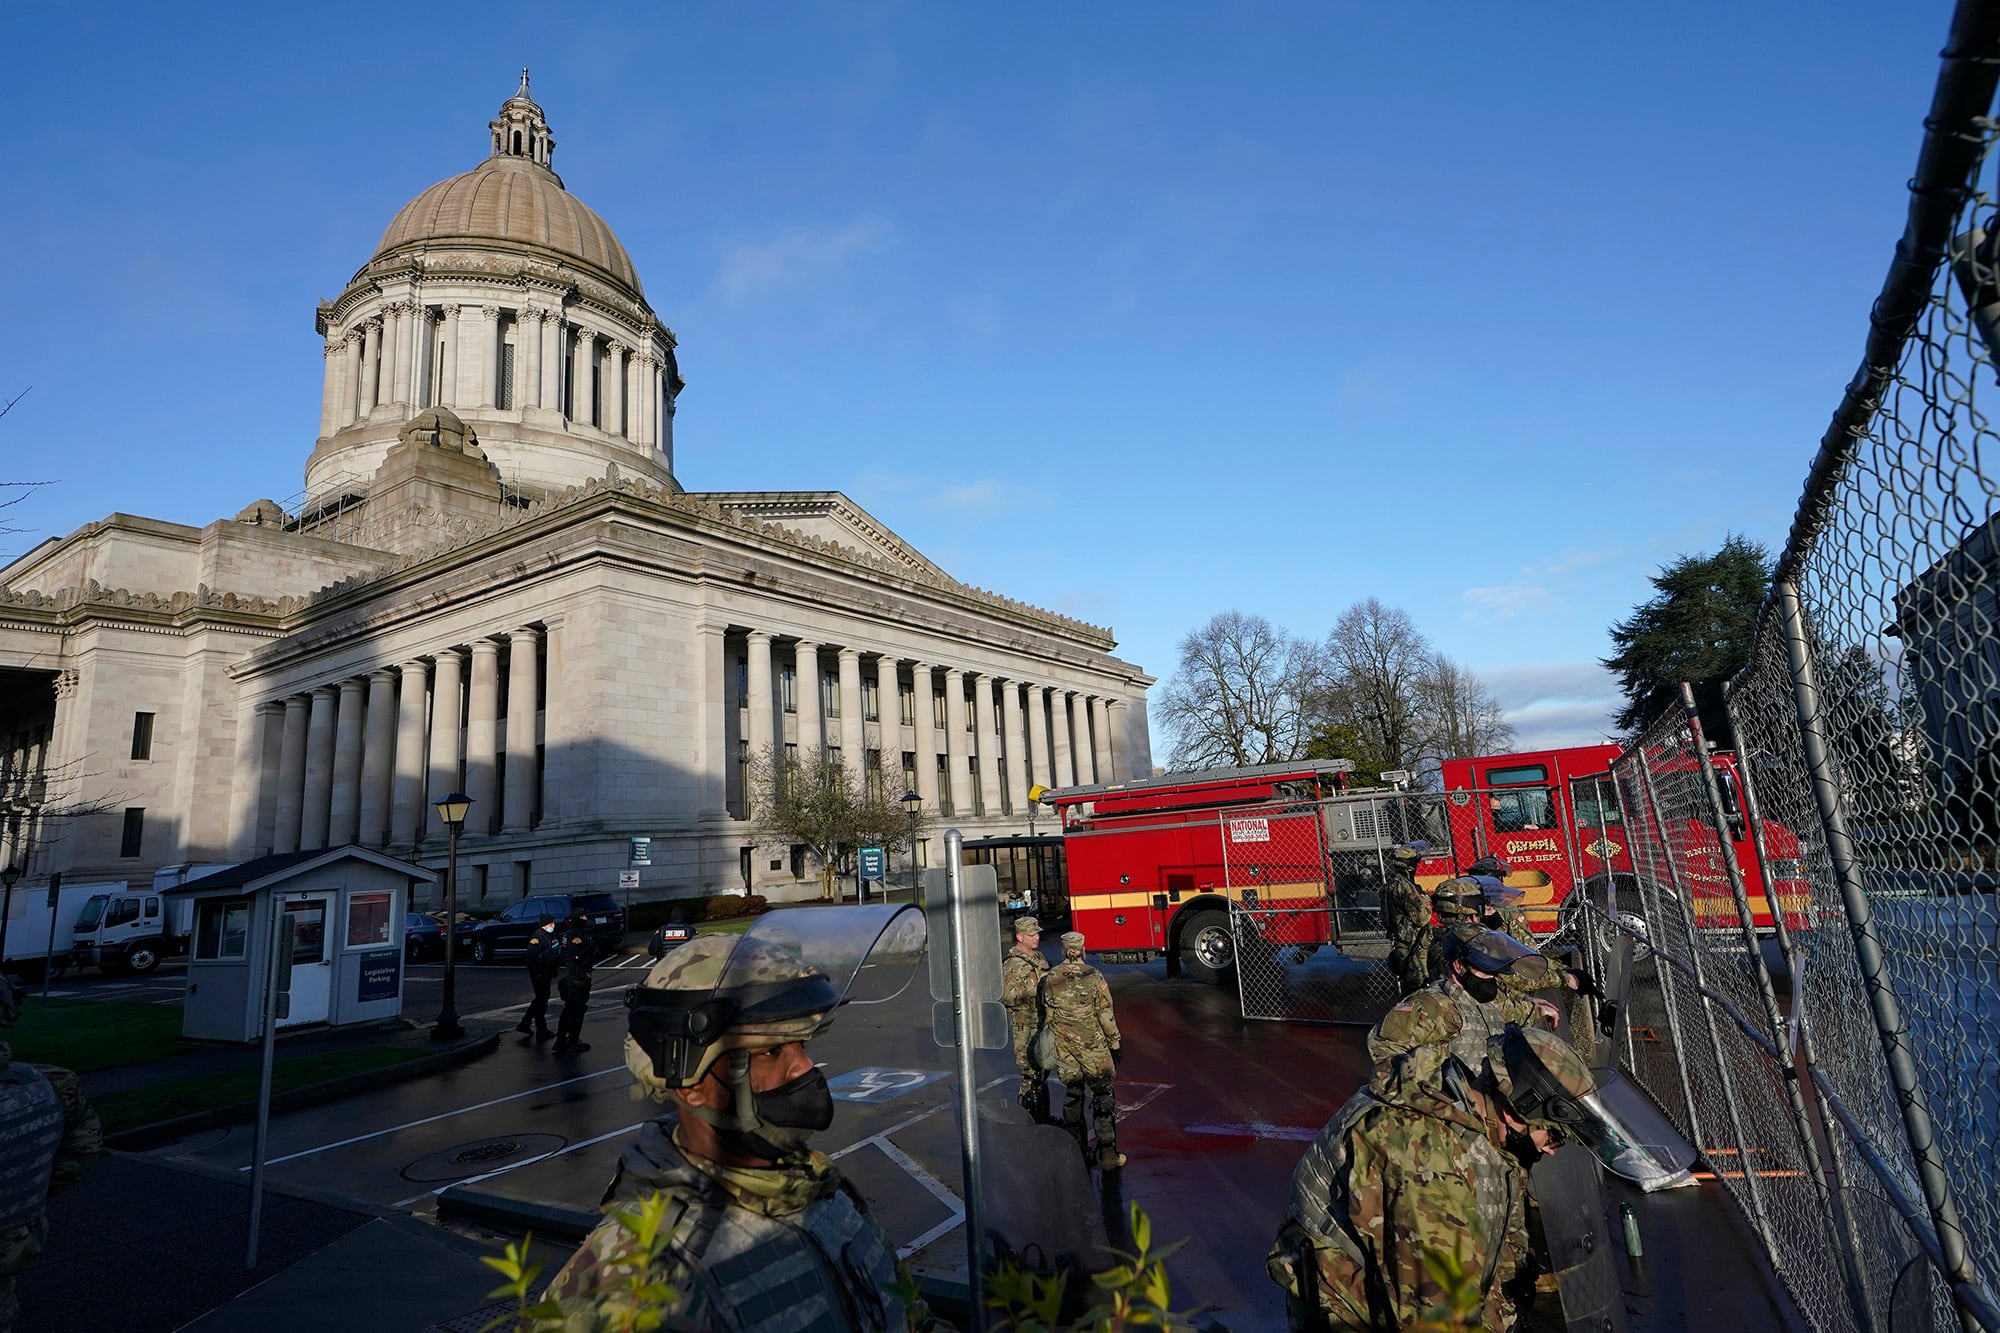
(874, 1085)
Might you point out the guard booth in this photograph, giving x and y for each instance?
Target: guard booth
(346, 906)
(1029, 871)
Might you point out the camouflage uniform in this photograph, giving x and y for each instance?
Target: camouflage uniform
(1410, 1167)
(48, 1137)
(789, 1246)
(1406, 920)
(1087, 1041)
(1021, 973)
(1442, 1014)
(573, 984)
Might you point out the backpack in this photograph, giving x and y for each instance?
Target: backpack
(31, 1130)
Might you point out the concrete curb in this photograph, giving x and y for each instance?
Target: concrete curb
(141, 1137)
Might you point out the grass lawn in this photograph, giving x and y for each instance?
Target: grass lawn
(166, 1101)
(86, 1035)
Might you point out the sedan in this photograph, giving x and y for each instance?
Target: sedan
(423, 938)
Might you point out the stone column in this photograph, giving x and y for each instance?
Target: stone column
(371, 363)
(645, 376)
(406, 330)
(920, 713)
(989, 744)
(350, 382)
(529, 372)
(1017, 745)
(614, 388)
(1100, 737)
(378, 754)
(712, 716)
(291, 776)
(420, 354)
(1040, 770)
(888, 703)
(482, 718)
(552, 360)
(318, 768)
(579, 382)
(805, 668)
(853, 727)
(252, 723)
(1060, 755)
(523, 698)
(448, 366)
(1114, 743)
(391, 348)
(406, 815)
(761, 707)
(267, 790)
(1079, 740)
(447, 726)
(489, 356)
(343, 820)
(964, 791)
(329, 396)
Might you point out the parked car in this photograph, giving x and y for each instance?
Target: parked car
(508, 933)
(423, 938)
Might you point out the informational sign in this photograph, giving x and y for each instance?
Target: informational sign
(628, 879)
(873, 1084)
(379, 977)
(642, 852)
(874, 865)
(1249, 830)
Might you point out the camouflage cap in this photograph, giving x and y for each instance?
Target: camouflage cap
(1027, 925)
(1414, 850)
(1072, 940)
(1459, 899)
(761, 1009)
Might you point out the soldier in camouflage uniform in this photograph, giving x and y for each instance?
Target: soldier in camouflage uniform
(1021, 973)
(48, 1137)
(1429, 1160)
(1467, 1006)
(1406, 918)
(1087, 1049)
(1480, 900)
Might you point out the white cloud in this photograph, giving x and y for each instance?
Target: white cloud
(755, 270)
(1566, 703)
(1504, 600)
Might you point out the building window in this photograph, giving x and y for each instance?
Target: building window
(596, 395)
(788, 688)
(870, 701)
(906, 704)
(743, 767)
(974, 796)
(829, 694)
(142, 735)
(791, 752)
(909, 770)
(937, 709)
(135, 830)
(799, 861)
(945, 805)
(871, 771)
(742, 682)
(221, 930)
(367, 920)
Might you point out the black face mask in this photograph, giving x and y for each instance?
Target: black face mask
(791, 1114)
(1483, 989)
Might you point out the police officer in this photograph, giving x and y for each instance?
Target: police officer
(1429, 1161)
(573, 985)
(1467, 1006)
(543, 960)
(1021, 973)
(1406, 918)
(764, 1232)
(1087, 1049)
(48, 1137)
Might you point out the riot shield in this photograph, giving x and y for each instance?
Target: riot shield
(1632, 1138)
(1569, 1188)
(869, 951)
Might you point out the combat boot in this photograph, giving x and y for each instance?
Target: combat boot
(1111, 1161)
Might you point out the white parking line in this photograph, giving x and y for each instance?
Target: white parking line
(442, 1115)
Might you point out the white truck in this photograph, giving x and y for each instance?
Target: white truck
(131, 930)
(29, 918)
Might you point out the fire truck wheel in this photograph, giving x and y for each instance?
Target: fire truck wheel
(1208, 950)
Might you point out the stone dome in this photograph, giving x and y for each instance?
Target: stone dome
(512, 201)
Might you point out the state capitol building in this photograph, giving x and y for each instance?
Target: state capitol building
(496, 585)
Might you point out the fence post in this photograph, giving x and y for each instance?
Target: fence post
(1883, 1003)
(1832, 1208)
(1729, 1098)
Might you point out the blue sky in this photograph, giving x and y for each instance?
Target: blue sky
(1136, 313)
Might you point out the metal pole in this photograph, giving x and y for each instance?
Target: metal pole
(1890, 1029)
(6, 911)
(260, 1139)
(448, 1027)
(1832, 1208)
(55, 905)
(968, 1091)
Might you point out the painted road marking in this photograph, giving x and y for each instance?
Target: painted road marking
(874, 1085)
(1258, 1129)
(1154, 1090)
(442, 1115)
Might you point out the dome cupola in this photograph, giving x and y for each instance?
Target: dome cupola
(521, 131)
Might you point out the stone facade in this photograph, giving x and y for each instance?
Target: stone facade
(497, 586)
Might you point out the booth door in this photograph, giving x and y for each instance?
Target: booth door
(312, 959)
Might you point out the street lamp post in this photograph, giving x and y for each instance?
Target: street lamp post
(9, 877)
(913, 805)
(451, 809)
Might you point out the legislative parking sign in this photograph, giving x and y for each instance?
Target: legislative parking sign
(874, 864)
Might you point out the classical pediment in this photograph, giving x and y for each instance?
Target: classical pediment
(828, 515)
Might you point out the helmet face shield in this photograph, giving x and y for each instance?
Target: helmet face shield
(1497, 893)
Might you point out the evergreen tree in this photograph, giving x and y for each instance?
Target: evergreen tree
(1696, 628)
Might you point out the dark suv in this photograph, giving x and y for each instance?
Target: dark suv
(603, 918)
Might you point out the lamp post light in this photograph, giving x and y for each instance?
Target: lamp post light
(913, 805)
(451, 809)
(9, 877)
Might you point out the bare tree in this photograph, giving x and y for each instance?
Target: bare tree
(1376, 659)
(1462, 716)
(20, 488)
(1240, 695)
(810, 801)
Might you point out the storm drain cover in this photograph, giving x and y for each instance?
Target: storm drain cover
(481, 1156)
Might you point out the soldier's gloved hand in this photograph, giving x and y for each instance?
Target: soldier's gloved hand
(1583, 983)
(1117, 1056)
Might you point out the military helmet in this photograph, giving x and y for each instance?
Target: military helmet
(1493, 952)
(1543, 1077)
(715, 994)
(1459, 899)
(1411, 852)
(1490, 865)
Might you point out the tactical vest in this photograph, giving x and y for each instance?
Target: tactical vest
(1313, 1180)
(824, 1268)
(1477, 1024)
(31, 1129)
